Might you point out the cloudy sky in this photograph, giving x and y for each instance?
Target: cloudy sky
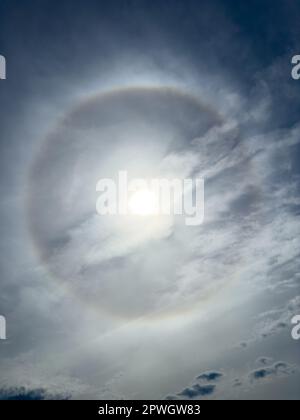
(146, 307)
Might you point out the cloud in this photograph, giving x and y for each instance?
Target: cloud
(76, 306)
(21, 393)
(237, 383)
(264, 360)
(197, 391)
(231, 384)
(276, 370)
(200, 389)
(210, 376)
(276, 320)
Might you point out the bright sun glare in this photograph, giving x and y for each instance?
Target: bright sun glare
(143, 203)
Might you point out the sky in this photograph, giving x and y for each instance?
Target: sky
(147, 307)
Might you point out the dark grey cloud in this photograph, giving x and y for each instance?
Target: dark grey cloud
(200, 389)
(22, 393)
(276, 369)
(237, 383)
(171, 397)
(229, 384)
(197, 391)
(210, 376)
(264, 360)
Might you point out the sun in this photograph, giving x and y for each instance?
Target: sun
(143, 203)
